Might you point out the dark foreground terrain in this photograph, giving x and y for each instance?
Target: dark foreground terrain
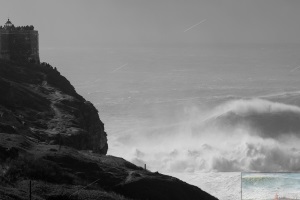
(52, 136)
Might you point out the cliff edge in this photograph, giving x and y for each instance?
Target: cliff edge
(52, 139)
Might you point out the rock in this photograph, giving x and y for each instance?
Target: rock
(37, 101)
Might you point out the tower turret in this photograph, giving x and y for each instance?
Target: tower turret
(8, 24)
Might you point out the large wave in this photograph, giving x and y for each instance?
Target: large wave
(239, 135)
(265, 118)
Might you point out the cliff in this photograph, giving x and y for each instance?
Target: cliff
(51, 135)
(36, 101)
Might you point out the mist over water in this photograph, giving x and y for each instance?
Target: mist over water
(239, 135)
(192, 110)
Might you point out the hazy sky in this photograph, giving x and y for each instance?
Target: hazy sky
(77, 22)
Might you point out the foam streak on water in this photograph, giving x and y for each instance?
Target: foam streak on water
(224, 186)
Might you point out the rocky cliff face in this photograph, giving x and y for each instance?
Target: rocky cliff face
(47, 132)
(37, 101)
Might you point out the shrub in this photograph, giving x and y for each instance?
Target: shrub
(37, 169)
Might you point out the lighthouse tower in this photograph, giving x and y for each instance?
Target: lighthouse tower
(19, 43)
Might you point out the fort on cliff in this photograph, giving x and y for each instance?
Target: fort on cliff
(19, 43)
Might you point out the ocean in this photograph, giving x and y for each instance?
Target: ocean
(201, 113)
(264, 186)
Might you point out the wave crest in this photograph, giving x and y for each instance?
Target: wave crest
(266, 118)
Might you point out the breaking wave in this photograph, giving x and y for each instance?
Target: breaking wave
(240, 135)
(266, 118)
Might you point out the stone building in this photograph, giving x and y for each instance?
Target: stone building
(19, 43)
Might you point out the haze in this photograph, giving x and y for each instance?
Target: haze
(156, 22)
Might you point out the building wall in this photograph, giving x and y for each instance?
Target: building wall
(4, 40)
(19, 45)
(34, 41)
(0, 47)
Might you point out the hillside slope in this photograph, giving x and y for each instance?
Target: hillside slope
(51, 135)
(38, 102)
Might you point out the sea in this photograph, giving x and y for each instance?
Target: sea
(201, 113)
(265, 186)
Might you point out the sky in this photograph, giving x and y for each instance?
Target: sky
(156, 22)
